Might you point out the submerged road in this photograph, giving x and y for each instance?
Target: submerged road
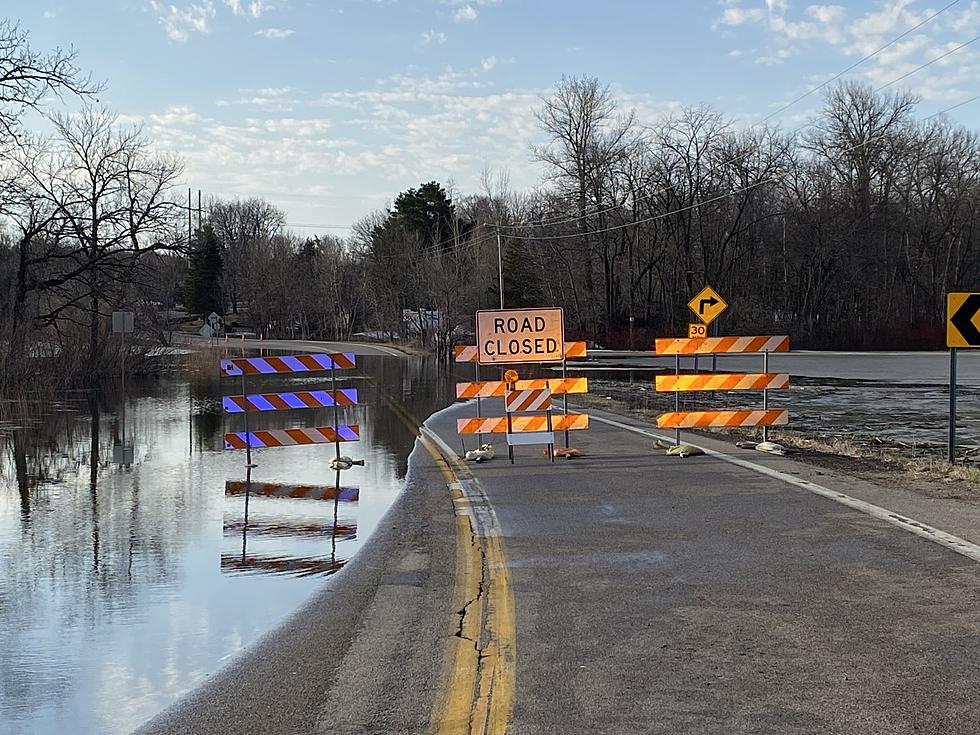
(922, 368)
(627, 592)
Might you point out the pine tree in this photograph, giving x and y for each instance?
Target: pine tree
(522, 280)
(203, 292)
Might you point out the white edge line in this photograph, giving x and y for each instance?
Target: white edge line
(951, 542)
(479, 509)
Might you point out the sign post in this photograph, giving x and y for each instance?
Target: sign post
(962, 330)
(952, 405)
(123, 324)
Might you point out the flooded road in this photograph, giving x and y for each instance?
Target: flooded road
(123, 587)
(908, 414)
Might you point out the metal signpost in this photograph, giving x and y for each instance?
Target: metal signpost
(962, 331)
(123, 323)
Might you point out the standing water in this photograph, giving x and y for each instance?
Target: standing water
(123, 586)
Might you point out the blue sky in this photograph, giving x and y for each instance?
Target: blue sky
(329, 108)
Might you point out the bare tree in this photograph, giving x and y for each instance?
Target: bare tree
(109, 196)
(242, 226)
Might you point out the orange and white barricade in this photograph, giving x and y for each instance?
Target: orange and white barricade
(764, 381)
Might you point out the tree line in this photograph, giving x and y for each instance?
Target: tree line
(845, 233)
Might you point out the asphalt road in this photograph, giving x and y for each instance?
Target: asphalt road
(923, 368)
(662, 595)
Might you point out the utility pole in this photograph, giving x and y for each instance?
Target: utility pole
(500, 270)
(190, 234)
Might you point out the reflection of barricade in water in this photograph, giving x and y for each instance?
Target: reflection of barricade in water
(305, 492)
(304, 527)
(344, 531)
(300, 567)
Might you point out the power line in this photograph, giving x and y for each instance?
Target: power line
(930, 63)
(917, 26)
(726, 194)
(958, 104)
(472, 242)
(856, 64)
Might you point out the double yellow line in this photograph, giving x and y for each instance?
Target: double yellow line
(478, 674)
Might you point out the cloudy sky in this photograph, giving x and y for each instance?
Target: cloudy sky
(328, 108)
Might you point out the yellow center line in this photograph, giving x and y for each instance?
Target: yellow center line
(478, 673)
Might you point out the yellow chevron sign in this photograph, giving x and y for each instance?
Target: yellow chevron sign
(963, 320)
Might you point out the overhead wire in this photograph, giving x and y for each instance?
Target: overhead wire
(725, 163)
(568, 220)
(726, 195)
(435, 247)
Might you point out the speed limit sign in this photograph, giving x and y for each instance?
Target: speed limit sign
(697, 331)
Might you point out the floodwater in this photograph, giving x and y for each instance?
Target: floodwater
(124, 587)
(909, 414)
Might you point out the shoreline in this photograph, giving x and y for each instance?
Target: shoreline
(281, 682)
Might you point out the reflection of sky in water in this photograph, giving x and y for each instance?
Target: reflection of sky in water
(114, 603)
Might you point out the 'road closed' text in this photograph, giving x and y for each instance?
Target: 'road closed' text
(525, 335)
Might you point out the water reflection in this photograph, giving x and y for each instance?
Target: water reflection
(284, 522)
(122, 587)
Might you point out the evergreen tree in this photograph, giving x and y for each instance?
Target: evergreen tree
(430, 213)
(522, 279)
(204, 264)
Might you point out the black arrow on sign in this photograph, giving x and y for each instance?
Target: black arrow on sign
(963, 320)
(710, 302)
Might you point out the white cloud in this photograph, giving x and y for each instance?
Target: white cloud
(48, 14)
(792, 29)
(340, 153)
(465, 14)
(736, 16)
(253, 9)
(256, 8)
(275, 32)
(434, 37)
(267, 99)
(179, 23)
(488, 63)
(827, 13)
(778, 57)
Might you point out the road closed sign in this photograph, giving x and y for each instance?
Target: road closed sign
(520, 335)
